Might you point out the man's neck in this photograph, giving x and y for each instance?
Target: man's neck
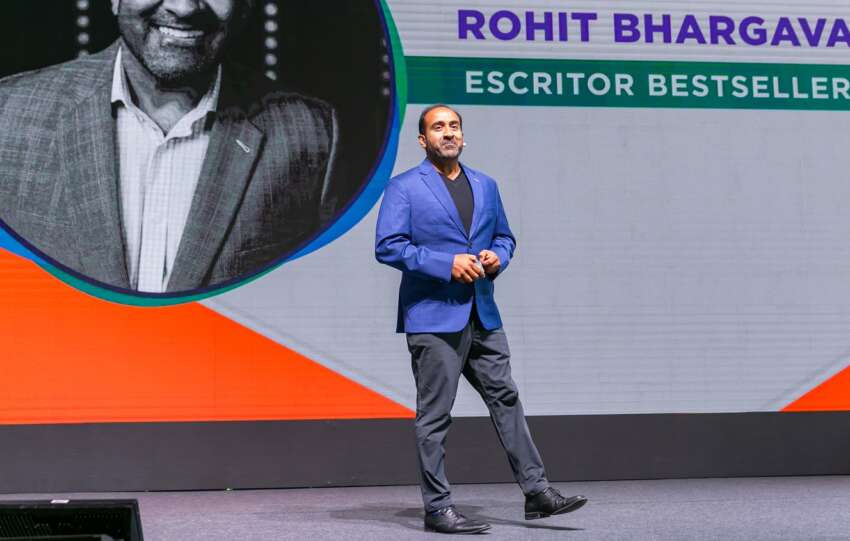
(164, 105)
(449, 169)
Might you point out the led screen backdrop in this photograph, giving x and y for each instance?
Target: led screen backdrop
(675, 173)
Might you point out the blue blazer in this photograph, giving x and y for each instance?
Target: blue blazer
(419, 232)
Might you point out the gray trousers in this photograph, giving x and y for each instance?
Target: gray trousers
(483, 358)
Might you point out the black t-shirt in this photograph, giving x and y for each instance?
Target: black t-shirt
(461, 193)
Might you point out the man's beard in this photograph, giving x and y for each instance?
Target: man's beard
(440, 154)
(173, 70)
(172, 64)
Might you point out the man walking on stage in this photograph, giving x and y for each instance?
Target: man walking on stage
(443, 225)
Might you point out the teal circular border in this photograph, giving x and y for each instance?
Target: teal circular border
(353, 214)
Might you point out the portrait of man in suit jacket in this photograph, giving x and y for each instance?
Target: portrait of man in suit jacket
(159, 164)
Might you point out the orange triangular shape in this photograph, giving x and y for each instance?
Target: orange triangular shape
(831, 395)
(71, 358)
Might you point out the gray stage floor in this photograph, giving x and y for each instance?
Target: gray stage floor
(791, 508)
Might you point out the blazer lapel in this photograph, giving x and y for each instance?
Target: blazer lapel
(477, 198)
(437, 186)
(235, 145)
(86, 149)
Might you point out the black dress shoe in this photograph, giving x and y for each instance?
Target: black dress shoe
(448, 520)
(550, 502)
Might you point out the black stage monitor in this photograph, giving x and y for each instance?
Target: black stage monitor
(70, 520)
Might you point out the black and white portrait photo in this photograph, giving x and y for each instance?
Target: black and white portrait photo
(173, 146)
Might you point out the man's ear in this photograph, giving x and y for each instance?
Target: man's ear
(421, 139)
(115, 4)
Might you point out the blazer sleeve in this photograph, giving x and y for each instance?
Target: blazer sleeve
(393, 240)
(504, 242)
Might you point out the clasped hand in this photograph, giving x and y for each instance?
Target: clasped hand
(466, 268)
